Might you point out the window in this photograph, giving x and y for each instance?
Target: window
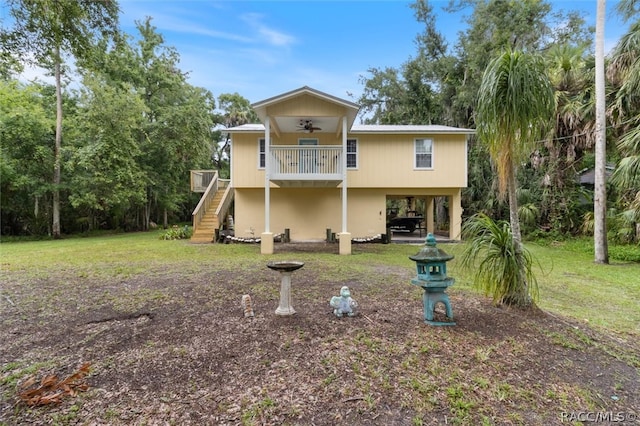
(424, 154)
(352, 153)
(261, 156)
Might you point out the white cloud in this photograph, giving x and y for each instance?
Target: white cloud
(175, 19)
(272, 36)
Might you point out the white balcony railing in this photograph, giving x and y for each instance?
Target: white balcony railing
(306, 162)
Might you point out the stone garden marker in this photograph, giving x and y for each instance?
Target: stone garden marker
(431, 266)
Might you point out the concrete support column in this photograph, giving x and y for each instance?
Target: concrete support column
(266, 243)
(455, 215)
(345, 243)
(428, 208)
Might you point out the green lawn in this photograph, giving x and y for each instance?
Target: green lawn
(570, 283)
(160, 322)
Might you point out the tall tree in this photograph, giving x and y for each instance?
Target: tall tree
(177, 131)
(26, 159)
(107, 179)
(600, 189)
(515, 108)
(177, 134)
(494, 25)
(48, 31)
(570, 69)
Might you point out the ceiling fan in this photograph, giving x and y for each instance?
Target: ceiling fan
(307, 126)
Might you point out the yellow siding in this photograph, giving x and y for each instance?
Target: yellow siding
(245, 162)
(245, 171)
(388, 161)
(293, 138)
(384, 161)
(309, 212)
(306, 212)
(305, 105)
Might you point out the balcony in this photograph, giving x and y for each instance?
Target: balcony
(200, 179)
(305, 166)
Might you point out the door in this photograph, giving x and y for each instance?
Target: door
(308, 158)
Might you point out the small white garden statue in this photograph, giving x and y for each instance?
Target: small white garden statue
(343, 304)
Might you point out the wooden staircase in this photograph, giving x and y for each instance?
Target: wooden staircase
(206, 230)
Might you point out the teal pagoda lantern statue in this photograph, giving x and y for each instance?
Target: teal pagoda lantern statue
(431, 266)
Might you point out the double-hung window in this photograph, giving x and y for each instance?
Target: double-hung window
(352, 153)
(423, 150)
(261, 153)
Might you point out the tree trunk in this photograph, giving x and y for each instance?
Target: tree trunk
(600, 191)
(514, 220)
(58, 144)
(520, 293)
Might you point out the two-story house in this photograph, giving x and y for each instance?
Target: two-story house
(308, 168)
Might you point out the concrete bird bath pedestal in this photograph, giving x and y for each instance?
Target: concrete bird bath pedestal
(285, 269)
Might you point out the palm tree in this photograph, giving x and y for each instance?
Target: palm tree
(600, 190)
(515, 108)
(624, 73)
(572, 77)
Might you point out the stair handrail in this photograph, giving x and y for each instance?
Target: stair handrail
(205, 201)
(225, 203)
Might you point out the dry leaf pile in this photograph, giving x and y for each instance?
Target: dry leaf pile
(51, 389)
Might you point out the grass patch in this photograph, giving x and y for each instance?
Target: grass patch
(572, 284)
(161, 320)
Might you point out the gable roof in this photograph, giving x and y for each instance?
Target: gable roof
(287, 111)
(285, 115)
(260, 105)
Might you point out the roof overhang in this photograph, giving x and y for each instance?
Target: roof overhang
(409, 129)
(326, 120)
(376, 129)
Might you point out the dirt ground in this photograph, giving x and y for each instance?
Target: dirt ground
(173, 347)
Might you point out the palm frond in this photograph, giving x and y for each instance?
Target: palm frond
(500, 269)
(627, 173)
(515, 108)
(625, 53)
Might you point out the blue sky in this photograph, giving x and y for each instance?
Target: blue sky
(263, 48)
(260, 49)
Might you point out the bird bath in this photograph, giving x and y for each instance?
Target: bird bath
(285, 269)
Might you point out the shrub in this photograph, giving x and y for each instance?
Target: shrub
(177, 233)
(500, 269)
(625, 253)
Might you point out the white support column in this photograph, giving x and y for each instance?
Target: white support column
(345, 237)
(428, 207)
(455, 215)
(266, 239)
(344, 174)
